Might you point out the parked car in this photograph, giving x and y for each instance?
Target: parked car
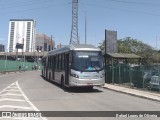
(147, 77)
(141, 79)
(155, 81)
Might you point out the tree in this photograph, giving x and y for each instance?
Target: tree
(102, 45)
(130, 45)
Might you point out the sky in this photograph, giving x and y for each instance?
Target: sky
(138, 19)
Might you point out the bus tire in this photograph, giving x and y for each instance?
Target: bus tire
(62, 81)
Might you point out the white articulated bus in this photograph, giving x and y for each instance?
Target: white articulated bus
(75, 65)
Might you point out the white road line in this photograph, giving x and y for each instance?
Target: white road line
(7, 94)
(7, 88)
(11, 90)
(22, 94)
(18, 107)
(29, 102)
(12, 87)
(26, 98)
(17, 100)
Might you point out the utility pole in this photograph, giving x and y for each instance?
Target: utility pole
(85, 28)
(105, 56)
(47, 45)
(74, 29)
(52, 42)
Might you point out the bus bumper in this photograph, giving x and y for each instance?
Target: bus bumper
(87, 82)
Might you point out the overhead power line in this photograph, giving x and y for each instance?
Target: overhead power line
(137, 3)
(35, 8)
(120, 9)
(24, 4)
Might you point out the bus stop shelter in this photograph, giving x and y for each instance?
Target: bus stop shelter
(118, 57)
(116, 61)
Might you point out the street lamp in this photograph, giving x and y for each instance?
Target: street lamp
(85, 27)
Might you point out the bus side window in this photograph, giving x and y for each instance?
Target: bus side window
(62, 64)
(54, 61)
(61, 61)
(48, 62)
(57, 62)
(70, 58)
(51, 62)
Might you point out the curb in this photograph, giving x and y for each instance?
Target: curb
(132, 94)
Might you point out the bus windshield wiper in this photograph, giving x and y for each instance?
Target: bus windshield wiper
(96, 69)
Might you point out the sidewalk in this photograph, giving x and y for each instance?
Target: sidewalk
(134, 92)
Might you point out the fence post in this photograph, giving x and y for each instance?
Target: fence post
(119, 73)
(112, 72)
(142, 69)
(130, 75)
(158, 78)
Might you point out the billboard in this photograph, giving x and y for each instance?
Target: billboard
(111, 41)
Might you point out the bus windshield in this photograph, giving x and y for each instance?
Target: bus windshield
(87, 61)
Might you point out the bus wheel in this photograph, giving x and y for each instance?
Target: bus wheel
(62, 81)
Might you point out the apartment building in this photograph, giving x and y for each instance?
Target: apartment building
(21, 32)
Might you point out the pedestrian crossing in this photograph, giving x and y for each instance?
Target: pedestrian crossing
(12, 98)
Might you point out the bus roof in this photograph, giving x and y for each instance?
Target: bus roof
(76, 47)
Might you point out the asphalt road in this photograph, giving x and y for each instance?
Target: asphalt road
(28, 91)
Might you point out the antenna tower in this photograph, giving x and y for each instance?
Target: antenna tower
(74, 29)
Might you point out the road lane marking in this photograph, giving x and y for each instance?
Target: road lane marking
(11, 90)
(25, 99)
(6, 99)
(7, 88)
(12, 87)
(10, 94)
(18, 107)
(29, 102)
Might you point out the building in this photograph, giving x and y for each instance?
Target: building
(44, 43)
(2, 48)
(60, 46)
(21, 35)
(111, 41)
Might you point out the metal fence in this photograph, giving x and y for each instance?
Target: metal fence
(7, 65)
(135, 76)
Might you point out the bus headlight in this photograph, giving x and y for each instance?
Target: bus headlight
(74, 75)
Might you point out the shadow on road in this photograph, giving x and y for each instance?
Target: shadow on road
(75, 89)
(82, 90)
